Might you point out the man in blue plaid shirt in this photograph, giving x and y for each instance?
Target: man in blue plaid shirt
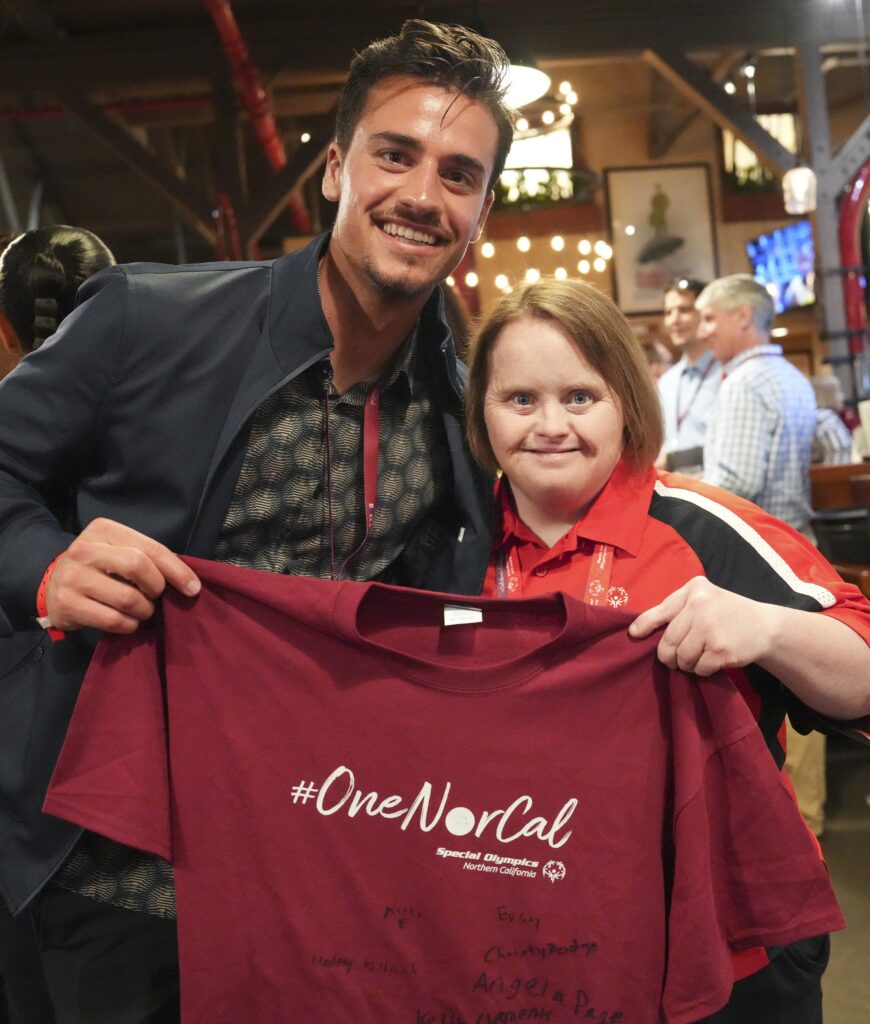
(759, 441)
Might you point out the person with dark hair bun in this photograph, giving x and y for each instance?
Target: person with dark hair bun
(40, 273)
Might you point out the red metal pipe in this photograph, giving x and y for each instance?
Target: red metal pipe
(254, 97)
(227, 243)
(851, 211)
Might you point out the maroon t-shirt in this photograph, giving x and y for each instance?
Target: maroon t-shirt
(377, 817)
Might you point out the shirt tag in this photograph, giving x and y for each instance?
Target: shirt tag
(461, 615)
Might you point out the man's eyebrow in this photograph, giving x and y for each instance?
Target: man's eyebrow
(409, 142)
(397, 139)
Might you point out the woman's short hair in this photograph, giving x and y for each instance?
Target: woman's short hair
(40, 273)
(603, 338)
(727, 293)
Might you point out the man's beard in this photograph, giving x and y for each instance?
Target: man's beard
(398, 286)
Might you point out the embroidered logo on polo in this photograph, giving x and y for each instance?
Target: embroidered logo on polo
(339, 794)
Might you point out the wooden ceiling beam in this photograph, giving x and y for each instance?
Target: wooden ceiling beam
(306, 161)
(696, 85)
(34, 19)
(666, 127)
(300, 47)
(196, 210)
(40, 26)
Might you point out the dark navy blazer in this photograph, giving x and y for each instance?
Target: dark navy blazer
(137, 410)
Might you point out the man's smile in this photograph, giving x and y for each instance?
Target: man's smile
(409, 234)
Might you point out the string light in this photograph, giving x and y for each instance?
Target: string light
(564, 88)
(603, 249)
(471, 279)
(558, 243)
(522, 125)
(730, 87)
(584, 247)
(583, 266)
(560, 273)
(487, 250)
(501, 281)
(533, 275)
(600, 265)
(548, 117)
(305, 137)
(630, 229)
(450, 281)
(523, 244)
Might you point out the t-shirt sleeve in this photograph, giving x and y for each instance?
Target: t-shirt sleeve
(746, 872)
(112, 774)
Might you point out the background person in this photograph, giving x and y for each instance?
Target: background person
(325, 394)
(40, 272)
(559, 398)
(658, 358)
(688, 390)
(760, 437)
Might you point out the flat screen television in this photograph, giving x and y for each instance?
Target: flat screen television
(784, 261)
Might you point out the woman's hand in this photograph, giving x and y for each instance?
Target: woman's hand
(708, 628)
(820, 659)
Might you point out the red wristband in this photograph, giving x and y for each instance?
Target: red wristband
(41, 607)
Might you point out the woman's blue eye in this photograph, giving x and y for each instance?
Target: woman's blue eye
(523, 399)
(581, 398)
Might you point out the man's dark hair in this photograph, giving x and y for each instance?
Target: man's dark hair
(447, 55)
(686, 284)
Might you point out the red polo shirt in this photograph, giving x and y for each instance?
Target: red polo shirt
(665, 529)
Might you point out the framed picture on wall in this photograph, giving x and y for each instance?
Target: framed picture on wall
(661, 226)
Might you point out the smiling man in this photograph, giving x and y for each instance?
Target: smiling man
(300, 416)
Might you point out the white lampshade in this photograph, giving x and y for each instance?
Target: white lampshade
(525, 84)
(799, 190)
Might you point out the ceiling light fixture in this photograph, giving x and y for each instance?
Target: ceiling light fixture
(525, 83)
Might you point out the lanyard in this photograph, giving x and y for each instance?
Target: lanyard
(371, 442)
(683, 413)
(507, 579)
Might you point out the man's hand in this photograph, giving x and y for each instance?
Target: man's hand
(110, 577)
(708, 628)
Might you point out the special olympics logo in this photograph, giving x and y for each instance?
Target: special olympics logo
(617, 597)
(596, 588)
(554, 871)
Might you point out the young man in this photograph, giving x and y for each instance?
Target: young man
(688, 389)
(301, 416)
(760, 438)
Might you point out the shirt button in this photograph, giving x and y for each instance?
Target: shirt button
(541, 570)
